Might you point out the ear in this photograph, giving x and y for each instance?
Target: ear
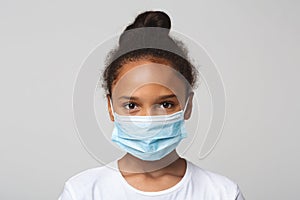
(109, 108)
(189, 107)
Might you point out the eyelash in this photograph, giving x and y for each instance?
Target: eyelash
(168, 102)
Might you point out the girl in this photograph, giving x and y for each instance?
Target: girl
(149, 95)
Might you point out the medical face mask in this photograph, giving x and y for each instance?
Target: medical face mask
(149, 137)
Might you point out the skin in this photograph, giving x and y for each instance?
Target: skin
(143, 175)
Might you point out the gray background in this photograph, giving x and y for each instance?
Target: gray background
(255, 44)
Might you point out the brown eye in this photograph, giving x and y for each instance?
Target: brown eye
(167, 104)
(130, 106)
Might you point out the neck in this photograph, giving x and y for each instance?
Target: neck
(131, 164)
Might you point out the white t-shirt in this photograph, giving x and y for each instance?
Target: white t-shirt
(106, 182)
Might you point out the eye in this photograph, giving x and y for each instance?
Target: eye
(167, 104)
(130, 106)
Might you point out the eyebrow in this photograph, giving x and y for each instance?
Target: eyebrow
(159, 98)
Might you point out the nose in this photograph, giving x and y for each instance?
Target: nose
(151, 111)
(146, 112)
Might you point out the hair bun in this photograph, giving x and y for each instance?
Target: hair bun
(149, 29)
(151, 19)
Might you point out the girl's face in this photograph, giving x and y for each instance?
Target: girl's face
(133, 94)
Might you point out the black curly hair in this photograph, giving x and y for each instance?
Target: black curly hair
(137, 39)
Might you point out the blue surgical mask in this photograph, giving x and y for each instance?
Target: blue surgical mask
(149, 137)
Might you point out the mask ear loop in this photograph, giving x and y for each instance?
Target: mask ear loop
(186, 103)
(111, 106)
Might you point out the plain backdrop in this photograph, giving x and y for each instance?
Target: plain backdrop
(255, 45)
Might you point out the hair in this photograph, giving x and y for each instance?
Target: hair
(132, 44)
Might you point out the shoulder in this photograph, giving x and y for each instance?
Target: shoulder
(88, 175)
(213, 181)
(83, 183)
(93, 175)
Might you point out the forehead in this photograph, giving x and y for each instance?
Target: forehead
(134, 75)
